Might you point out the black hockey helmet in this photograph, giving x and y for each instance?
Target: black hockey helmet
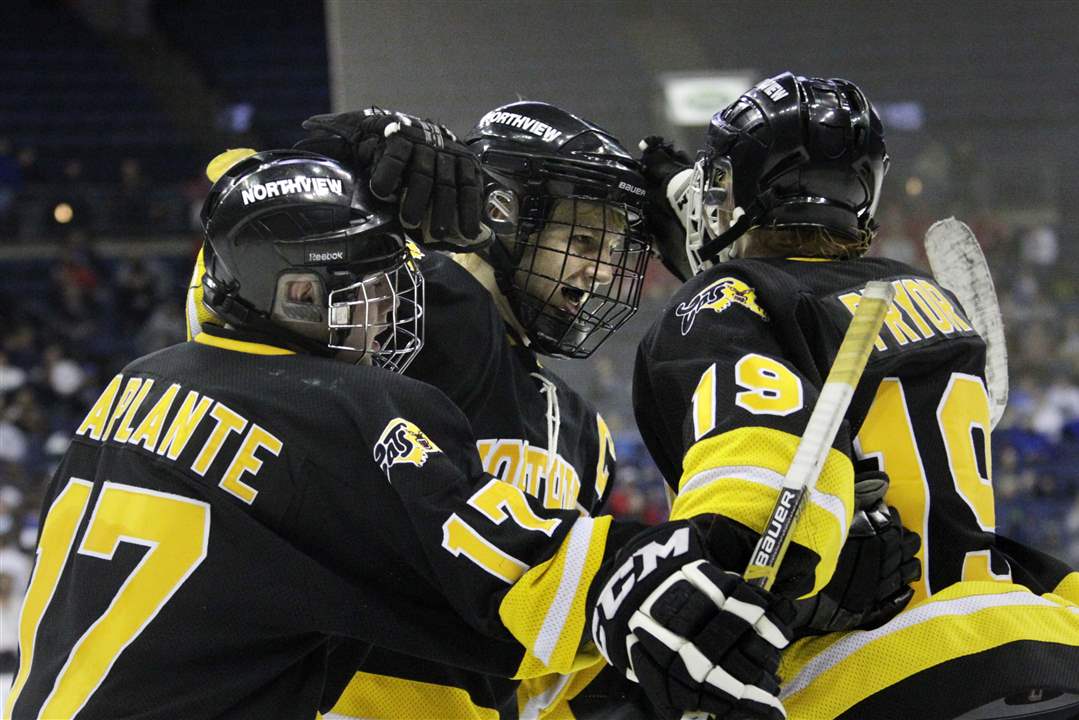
(299, 251)
(545, 169)
(790, 152)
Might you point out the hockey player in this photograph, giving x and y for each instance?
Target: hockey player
(769, 228)
(564, 272)
(239, 514)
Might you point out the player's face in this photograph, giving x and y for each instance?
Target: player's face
(572, 256)
(372, 315)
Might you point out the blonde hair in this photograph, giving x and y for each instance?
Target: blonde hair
(806, 242)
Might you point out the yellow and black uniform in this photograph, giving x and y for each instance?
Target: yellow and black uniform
(532, 431)
(235, 524)
(724, 384)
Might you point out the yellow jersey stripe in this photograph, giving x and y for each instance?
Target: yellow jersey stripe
(382, 696)
(244, 346)
(548, 697)
(1068, 588)
(827, 675)
(545, 608)
(738, 474)
(832, 504)
(580, 537)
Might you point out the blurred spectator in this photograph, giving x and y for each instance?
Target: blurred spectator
(13, 562)
(13, 445)
(133, 211)
(1039, 247)
(20, 346)
(136, 293)
(10, 603)
(28, 165)
(11, 376)
(164, 327)
(894, 241)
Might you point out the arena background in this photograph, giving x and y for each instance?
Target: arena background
(111, 108)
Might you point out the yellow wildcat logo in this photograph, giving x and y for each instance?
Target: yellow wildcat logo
(719, 296)
(402, 442)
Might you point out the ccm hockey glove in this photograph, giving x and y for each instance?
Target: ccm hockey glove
(871, 583)
(419, 163)
(695, 637)
(668, 172)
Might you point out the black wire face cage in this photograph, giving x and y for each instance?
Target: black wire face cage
(580, 266)
(380, 317)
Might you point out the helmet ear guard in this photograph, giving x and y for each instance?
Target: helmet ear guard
(303, 314)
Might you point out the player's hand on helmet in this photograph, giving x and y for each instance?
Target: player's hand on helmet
(435, 179)
(871, 584)
(667, 172)
(695, 637)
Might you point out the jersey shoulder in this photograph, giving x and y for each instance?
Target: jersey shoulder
(453, 292)
(731, 300)
(326, 408)
(465, 339)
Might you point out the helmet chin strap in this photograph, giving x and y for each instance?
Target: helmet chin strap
(502, 262)
(711, 249)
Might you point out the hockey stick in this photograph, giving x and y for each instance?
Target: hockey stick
(959, 265)
(812, 450)
(820, 432)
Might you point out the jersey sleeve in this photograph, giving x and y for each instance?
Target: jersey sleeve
(511, 568)
(723, 410)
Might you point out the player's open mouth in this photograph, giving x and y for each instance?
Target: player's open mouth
(573, 298)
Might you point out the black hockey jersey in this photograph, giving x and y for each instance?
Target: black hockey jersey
(519, 412)
(725, 382)
(232, 519)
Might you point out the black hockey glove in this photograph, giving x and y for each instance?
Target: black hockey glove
(661, 163)
(695, 637)
(871, 584)
(421, 164)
